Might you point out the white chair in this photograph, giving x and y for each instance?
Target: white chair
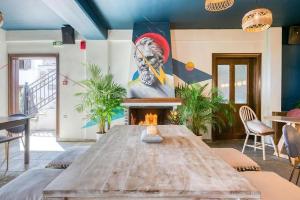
(256, 128)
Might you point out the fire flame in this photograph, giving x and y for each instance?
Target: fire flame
(150, 119)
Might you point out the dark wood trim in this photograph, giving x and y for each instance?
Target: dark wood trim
(13, 82)
(153, 100)
(256, 79)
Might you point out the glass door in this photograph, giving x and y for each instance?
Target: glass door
(234, 79)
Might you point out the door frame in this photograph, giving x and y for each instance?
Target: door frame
(257, 79)
(13, 83)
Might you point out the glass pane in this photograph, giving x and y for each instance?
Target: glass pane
(241, 84)
(223, 80)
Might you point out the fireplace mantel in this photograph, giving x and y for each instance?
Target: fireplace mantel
(152, 102)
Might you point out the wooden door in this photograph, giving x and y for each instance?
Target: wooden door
(235, 78)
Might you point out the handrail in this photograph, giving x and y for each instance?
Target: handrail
(41, 78)
(40, 93)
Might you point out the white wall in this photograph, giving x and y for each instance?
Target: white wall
(114, 55)
(71, 60)
(3, 74)
(199, 45)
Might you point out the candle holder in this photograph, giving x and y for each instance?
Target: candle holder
(151, 135)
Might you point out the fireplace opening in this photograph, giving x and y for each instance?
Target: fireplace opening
(149, 116)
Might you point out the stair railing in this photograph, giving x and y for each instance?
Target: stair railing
(39, 93)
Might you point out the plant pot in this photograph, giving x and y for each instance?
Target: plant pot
(98, 136)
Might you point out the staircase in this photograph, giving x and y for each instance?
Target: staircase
(39, 93)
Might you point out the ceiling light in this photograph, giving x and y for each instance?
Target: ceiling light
(1, 19)
(218, 5)
(257, 20)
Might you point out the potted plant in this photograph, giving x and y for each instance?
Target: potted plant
(201, 108)
(101, 98)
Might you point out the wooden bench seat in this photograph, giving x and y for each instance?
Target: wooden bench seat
(236, 159)
(273, 186)
(29, 185)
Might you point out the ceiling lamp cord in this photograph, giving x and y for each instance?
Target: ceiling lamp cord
(218, 5)
(1, 19)
(257, 20)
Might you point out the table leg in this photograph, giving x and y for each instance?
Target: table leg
(27, 143)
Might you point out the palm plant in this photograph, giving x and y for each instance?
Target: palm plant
(102, 97)
(200, 108)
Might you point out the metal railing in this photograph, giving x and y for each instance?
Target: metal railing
(39, 93)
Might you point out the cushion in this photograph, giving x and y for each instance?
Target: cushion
(294, 113)
(236, 159)
(258, 127)
(65, 159)
(29, 185)
(272, 186)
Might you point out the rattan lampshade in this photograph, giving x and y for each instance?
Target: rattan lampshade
(257, 20)
(1, 19)
(218, 5)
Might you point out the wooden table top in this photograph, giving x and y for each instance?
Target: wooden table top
(10, 119)
(284, 119)
(8, 122)
(121, 166)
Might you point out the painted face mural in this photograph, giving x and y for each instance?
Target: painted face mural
(151, 72)
(148, 52)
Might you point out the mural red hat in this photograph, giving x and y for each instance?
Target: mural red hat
(160, 40)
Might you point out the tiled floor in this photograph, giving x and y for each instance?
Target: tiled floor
(44, 148)
(280, 166)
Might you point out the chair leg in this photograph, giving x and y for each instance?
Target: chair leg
(7, 155)
(298, 177)
(23, 142)
(292, 174)
(263, 147)
(255, 141)
(245, 143)
(274, 146)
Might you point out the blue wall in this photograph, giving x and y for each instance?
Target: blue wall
(290, 73)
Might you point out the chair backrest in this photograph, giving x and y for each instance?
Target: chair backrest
(247, 114)
(17, 129)
(291, 140)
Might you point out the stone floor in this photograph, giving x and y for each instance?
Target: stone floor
(44, 148)
(280, 166)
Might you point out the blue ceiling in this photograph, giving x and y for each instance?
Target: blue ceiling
(122, 14)
(29, 15)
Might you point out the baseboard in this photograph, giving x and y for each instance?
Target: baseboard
(74, 140)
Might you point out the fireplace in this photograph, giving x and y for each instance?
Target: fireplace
(149, 116)
(149, 111)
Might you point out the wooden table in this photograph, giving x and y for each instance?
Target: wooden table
(10, 122)
(121, 166)
(288, 120)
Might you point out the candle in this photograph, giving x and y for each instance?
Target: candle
(152, 130)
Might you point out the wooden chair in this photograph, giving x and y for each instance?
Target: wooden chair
(292, 143)
(14, 133)
(6, 140)
(257, 129)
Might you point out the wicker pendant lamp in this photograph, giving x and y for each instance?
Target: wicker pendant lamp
(218, 5)
(257, 20)
(1, 19)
